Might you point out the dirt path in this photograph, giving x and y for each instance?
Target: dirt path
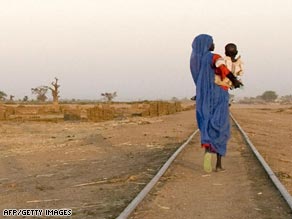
(242, 191)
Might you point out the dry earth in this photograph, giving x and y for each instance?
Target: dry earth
(269, 127)
(97, 168)
(243, 191)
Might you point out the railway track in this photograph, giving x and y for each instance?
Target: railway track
(266, 167)
(140, 197)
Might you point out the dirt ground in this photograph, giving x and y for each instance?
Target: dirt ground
(96, 169)
(269, 127)
(243, 191)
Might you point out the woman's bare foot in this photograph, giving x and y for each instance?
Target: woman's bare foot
(220, 169)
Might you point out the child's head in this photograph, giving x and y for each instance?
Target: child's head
(231, 50)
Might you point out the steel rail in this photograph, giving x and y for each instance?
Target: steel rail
(138, 199)
(131, 207)
(268, 170)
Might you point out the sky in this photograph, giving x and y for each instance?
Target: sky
(139, 48)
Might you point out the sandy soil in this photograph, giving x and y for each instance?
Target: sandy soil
(97, 168)
(269, 127)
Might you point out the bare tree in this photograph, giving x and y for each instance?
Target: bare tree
(40, 93)
(55, 91)
(109, 96)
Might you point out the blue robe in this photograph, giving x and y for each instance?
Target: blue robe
(212, 102)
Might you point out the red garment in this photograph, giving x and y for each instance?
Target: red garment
(209, 147)
(222, 70)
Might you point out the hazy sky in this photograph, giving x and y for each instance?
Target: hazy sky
(139, 48)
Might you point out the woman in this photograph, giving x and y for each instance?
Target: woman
(212, 109)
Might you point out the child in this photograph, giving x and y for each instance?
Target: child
(235, 65)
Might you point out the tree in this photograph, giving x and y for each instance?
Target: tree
(109, 96)
(11, 98)
(3, 95)
(286, 99)
(55, 91)
(174, 99)
(40, 92)
(269, 96)
(25, 99)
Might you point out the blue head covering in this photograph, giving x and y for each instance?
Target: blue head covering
(201, 47)
(212, 109)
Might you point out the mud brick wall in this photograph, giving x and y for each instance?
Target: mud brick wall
(72, 114)
(29, 113)
(6, 112)
(145, 110)
(140, 109)
(163, 108)
(159, 108)
(96, 113)
(108, 112)
(153, 109)
(26, 110)
(178, 107)
(2, 114)
(171, 108)
(100, 113)
(9, 111)
(44, 110)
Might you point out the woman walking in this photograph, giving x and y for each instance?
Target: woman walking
(212, 110)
